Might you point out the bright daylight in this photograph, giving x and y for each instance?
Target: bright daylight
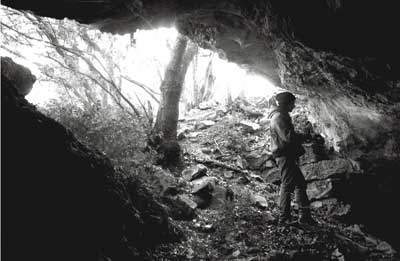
(198, 130)
(120, 61)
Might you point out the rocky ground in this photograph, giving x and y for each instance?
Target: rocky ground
(226, 197)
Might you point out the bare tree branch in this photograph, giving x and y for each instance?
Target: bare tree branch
(102, 74)
(144, 109)
(101, 86)
(148, 90)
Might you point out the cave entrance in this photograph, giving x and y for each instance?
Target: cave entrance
(134, 62)
(99, 74)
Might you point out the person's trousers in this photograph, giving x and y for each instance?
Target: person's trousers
(292, 180)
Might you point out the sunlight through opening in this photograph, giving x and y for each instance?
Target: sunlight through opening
(143, 57)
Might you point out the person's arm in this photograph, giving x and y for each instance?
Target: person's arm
(264, 122)
(285, 131)
(287, 138)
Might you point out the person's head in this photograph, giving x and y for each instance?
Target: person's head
(285, 101)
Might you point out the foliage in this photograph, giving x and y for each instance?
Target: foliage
(84, 64)
(234, 140)
(112, 132)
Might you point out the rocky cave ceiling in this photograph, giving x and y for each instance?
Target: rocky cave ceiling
(341, 55)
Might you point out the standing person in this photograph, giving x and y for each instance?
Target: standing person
(286, 149)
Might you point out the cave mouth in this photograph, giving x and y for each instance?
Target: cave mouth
(352, 103)
(147, 46)
(141, 55)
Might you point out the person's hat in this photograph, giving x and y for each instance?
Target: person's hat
(284, 98)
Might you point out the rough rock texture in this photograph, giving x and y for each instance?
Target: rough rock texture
(342, 57)
(194, 172)
(62, 201)
(327, 168)
(18, 76)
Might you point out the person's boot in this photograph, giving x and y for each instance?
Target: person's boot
(285, 216)
(305, 217)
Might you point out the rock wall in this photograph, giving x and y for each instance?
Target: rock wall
(62, 201)
(342, 56)
(352, 107)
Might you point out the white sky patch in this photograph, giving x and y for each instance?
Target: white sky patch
(239, 81)
(42, 92)
(146, 62)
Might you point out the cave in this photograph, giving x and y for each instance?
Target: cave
(342, 57)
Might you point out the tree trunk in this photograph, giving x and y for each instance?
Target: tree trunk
(209, 81)
(166, 125)
(195, 98)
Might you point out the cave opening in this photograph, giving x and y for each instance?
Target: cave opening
(111, 88)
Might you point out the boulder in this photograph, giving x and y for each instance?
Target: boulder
(258, 201)
(319, 189)
(194, 172)
(181, 207)
(203, 184)
(326, 168)
(17, 75)
(204, 124)
(209, 195)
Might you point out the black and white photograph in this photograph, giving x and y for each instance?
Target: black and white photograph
(200, 130)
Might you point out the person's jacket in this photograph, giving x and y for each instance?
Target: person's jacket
(284, 140)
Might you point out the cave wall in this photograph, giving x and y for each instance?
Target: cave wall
(61, 200)
(342, 56)
(353, 108)
(353, 91)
